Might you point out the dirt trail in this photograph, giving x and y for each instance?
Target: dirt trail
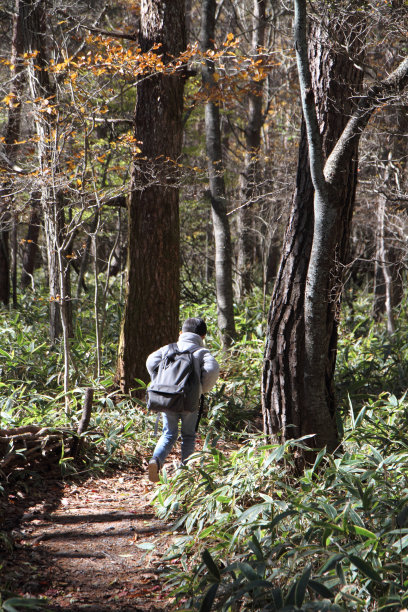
(86, 546)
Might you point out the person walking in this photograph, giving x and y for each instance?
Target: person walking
(191, 339)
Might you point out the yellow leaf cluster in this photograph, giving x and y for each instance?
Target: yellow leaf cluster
(9, 98)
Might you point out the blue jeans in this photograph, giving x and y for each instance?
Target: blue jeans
(170, 435)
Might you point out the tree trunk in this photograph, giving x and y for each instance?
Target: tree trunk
(388, 261)
(222, 236)
(12, 136)
(52, 198)
(384, 264)
(332, 214)
(41, 88)
(31, 243)
(151, 316)
(58, 279)
(85, 254)
(4, 257)
(292, 352)
(250, 178)
(283, 368)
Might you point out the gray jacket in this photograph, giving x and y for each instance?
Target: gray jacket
(206, 366)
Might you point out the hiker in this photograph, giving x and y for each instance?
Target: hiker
(206, 371)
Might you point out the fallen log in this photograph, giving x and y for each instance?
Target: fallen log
(33, 443)
(25, 447)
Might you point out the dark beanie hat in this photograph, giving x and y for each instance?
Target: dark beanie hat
(195, 326)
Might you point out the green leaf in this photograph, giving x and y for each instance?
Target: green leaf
(279, 517)
(208, 600)
(356, 520)
(321, 589)
(330, 563)
(39, 347)
(365, 533)
(340, 573)
(248, 571)
(401, 544)
(376, 455)
(351, 597)
(211, 565)
(251, 586)
(365, 568)
(223, 499)
(318, 459)
(207, 477)
(8, 607)
(277, 598)
(207, 531)
(256, 548)
(329, 509)
(146, 546)
(334, 527)
(351, 412)
(267, 498)
(12, 604)
(392, 604)
(302, 586)
(360, 416)
(290, 597)
(141, 383)
(277, 454)
(251, 512)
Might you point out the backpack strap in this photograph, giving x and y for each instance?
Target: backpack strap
(191, 350)
(172, 348)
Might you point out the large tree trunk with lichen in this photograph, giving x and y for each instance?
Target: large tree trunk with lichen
(151, 316)
(287, 407)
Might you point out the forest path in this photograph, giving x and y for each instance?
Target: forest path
(86, 546)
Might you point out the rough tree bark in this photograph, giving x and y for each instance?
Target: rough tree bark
(323, 257)
(151, 316)
(285, 396)
(222, 236)
(328, 244)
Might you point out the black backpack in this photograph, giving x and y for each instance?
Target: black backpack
(176, 385)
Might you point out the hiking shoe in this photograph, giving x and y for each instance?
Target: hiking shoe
(154, 468)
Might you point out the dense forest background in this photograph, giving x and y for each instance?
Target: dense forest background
(243, 161)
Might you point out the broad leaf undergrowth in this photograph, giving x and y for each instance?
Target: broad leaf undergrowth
(250, 535)
(336, 535)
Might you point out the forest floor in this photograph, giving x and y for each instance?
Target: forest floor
(82, 545)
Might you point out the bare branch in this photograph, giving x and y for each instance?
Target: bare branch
(376, 96)
(119, 201)
(112, 34)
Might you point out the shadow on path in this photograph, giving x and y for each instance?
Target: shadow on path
(91, 546)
